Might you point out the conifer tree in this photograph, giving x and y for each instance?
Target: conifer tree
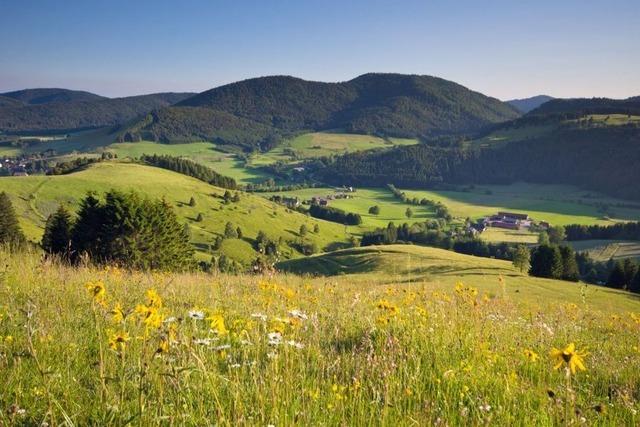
(57, 232)
(10, 232)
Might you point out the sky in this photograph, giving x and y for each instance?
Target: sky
(506, 49)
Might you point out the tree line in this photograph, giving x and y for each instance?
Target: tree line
(190, 168)
(619, 231)
(332, 214)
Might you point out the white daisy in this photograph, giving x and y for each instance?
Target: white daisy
(298, 314)
(275, 338)
(196, 314)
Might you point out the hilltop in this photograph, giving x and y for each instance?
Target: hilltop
(392, 105)
(525, 105)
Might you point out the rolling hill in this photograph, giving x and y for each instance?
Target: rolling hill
(48, 95)
(383, 104)
(394, 265)
(525, 105)
(36, 197)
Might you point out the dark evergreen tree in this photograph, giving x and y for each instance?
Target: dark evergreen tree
(57, 233)
(199, 218)
(569, 265)
(303, 230)
(635, 283)
(617, 278)
(85, 236)
(239, 232)
(192, 202)
(316, 228)
(546, 261)
(10, 232)
(630, 270)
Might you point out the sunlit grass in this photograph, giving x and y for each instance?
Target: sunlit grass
(199, 349)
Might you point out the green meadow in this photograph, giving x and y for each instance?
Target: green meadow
(319, 144)
(556, 204)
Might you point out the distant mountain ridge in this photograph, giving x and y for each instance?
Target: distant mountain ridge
(383, 104)
(68, 110)
(525, 105)
(48, 95)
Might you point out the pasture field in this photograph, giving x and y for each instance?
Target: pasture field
(494, 234)
(35, 197)
(557, 204)
(204, 153)
(319, 144)
(103, 346)
(391, 209)
(522, 133)
(613, 119)
(604, 250)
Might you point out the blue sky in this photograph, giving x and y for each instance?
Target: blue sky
(506, 49)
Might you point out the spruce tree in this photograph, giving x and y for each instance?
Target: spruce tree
(569, 265)
(85, 236)
(546, 261)
(616, 276)
(57, 233)
(10, 232)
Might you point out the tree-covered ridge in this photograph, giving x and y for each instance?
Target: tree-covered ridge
(187, 124)
(48, 95)
(589, 106)
(82, 114)
(384, 104)
(190, 168)
(603, 159)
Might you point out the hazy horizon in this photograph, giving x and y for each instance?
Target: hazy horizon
(504, 50)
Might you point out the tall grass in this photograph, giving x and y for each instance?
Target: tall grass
(286, 350)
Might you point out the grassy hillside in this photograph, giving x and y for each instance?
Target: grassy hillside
(391, 209)
(282, 350)
(35, 197)
(319, 144)
(441, 270)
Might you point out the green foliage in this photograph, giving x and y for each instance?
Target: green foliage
(230, 231)
(10, 232)
(131, 231)
(408, 213)
(374, 210)
(546, 261)
(522, 258)
(303, 230)
(335, 215)
(57, 233)
(556, 234)
(603, 159)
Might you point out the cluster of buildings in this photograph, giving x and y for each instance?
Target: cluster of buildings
(508, 221)
(294, 202)
(13, 167)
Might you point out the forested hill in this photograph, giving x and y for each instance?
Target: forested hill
(527, 104)
(603, 159)
(48, 95)
(80, 112)
(384, 104)
(582, 106)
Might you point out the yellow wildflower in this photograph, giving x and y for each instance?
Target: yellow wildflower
(217, 324)
(117, 313)
(96, 290)
(531, 355)
(570, 357)
(118, 340)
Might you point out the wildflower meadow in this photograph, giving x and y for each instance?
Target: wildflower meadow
(90, 346)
